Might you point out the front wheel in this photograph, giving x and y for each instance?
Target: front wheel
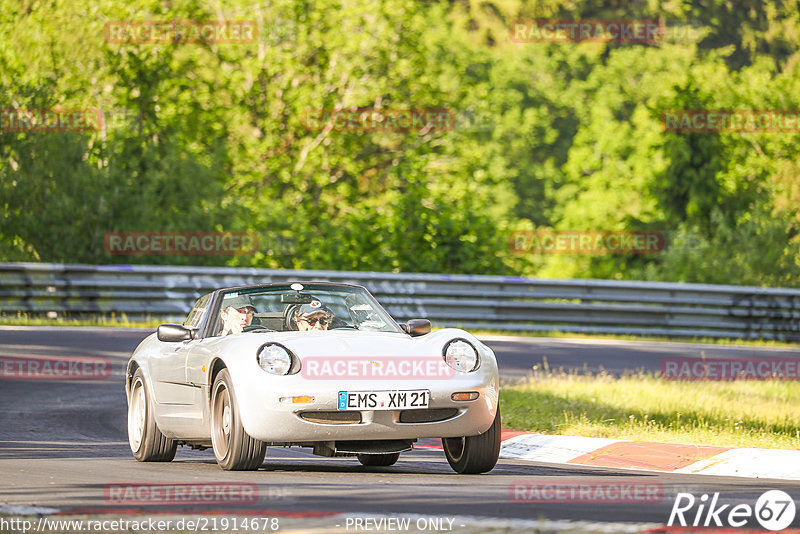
(378, 460)
(474, 454)
(233, 448)
(147, 442)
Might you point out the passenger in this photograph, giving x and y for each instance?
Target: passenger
(237, 314)
(313, 316)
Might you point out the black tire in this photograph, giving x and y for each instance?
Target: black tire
(378, 460)
(474, 454)
(233, 448)
(147, 442)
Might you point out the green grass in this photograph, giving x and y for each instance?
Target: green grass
(626, 337)
(645, 407)
(110, 320)
(122, 321)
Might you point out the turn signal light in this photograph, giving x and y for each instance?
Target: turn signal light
(464, 396)
(301, 399)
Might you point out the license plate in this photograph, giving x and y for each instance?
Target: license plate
(384, 400)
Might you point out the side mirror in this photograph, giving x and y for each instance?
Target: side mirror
(172, 333)
(417, 327)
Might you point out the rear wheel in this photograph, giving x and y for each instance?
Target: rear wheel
(233, 448)
(474, 454)
(147, 442)
(378, 460)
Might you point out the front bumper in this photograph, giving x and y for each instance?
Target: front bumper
(266, 418)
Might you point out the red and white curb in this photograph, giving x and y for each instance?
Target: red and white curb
(662, 457)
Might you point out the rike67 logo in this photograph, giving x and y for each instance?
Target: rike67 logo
(774, 510)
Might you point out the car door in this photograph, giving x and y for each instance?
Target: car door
(169, 364)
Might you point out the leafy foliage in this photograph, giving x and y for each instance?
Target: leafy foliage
(564, 136)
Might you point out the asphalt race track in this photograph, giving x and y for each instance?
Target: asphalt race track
(63, 442)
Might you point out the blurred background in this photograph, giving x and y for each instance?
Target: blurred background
(212, 137)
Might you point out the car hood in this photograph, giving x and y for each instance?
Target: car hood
(348, 343)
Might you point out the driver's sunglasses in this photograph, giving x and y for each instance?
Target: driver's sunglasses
(313, 320)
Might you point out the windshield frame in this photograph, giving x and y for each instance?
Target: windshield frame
(210, 321)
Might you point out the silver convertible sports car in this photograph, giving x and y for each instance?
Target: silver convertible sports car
(310, 364)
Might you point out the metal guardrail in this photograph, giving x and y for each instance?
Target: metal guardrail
(470, 301)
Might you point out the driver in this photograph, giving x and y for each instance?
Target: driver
(237, 314)
(313, 316)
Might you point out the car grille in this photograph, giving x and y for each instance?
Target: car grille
(427, 416)
(332, 418)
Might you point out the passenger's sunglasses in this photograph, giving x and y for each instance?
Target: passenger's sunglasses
(313, 320)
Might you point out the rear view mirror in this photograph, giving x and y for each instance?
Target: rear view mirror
(417, 327)
(296, 298)
(172, 333)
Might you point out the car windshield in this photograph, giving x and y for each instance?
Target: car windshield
(276, 309)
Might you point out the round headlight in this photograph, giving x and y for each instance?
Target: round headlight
(461, 356)
(274, 359)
